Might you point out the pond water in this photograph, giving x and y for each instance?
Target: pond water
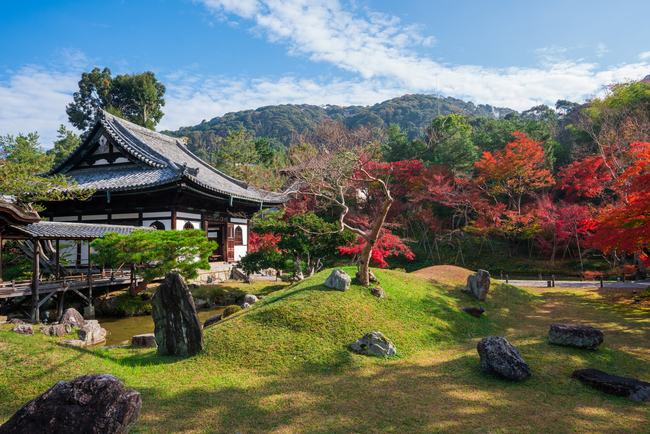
(121, 330)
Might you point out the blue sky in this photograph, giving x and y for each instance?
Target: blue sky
(218, 56)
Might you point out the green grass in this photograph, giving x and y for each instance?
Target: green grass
(283, 366)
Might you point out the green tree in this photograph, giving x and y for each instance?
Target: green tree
(137, 98)
(155, 253)
(25, 151)
(457, 152)
(66, 143)
(235, 151)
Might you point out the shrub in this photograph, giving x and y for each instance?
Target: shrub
(229, 310)
(128, 305)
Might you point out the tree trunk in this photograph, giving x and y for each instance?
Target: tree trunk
(298, 268)
(371, 240)
(135, 290)
(364, 263)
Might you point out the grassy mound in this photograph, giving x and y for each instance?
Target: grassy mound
(311, 325)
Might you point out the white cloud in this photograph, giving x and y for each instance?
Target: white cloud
(644, 56)
(601, 49)
(34, 99)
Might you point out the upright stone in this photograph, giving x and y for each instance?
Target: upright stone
(73, 317)
(177, 326)
(479, 284)
(338, 279)
(97, 403)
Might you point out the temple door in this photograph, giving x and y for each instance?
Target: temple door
(230, 243)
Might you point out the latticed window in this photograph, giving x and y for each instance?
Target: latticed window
(159, 226)
(239, 237)
(188, 226)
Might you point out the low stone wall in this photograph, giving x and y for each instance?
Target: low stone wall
(213, 276)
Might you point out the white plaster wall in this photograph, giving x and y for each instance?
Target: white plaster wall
(180, 223)
(167, 223)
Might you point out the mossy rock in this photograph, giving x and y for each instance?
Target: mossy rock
(229, 310)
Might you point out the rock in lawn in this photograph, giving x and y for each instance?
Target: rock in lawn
(501, 359)
(16, 321)
(212, 320)
(614, 385)
(377, 291)
(73, 343)
(338, 279)
(147, 340)
(73, 317)
(245, 306)
(374, 344)
(478, 284)
(177, 326)
(24, 329)
(92, 333)
(579, 336)
(250, 299)
(97, 403)
(56, 330)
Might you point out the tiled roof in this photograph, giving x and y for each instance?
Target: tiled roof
(168, 159)
(71, 231)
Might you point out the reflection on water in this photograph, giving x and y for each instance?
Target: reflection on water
(121, 330)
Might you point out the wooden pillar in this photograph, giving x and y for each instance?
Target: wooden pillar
(90, 277)
(1, 256)
(58, 275)
(35, 273)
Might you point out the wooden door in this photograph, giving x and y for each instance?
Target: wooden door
(230, 243)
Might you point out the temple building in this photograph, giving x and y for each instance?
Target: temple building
(144, 178)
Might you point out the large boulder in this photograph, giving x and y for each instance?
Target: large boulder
(579, 336)
(56, 330)
(73, 317)
(338, 279)
(212, 320)
(97, 403)
(250, 299)
(478, 284)
(92, 333)
(177, 326)
(24, 329)
(613, 384)
(374, 344)
(147, 340)
(501, 359)
(16, 321)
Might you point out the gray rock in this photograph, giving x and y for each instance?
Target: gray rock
(245, 306)
(478, 284)
(501, 359)
(374, 344)
(579, 336)
(56, 330)
(24, 329)
(377, 291)
(147, 340)
(338, 279)
(614, 385)
(250, 299)
(97, 403)
(73, 317)
(199, 302)
(212, 320)
(177, 326)
(16, 321)
(92, 333)
(73, 343)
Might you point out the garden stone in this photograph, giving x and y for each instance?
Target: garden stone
(73, 343)
(3, 319)
(245, 306)
(24, 329)
(374, 344)
(614, 385)
(478, 284)
(501, 359)
(56, 330)
(73, 317)
(377, 292)
(16, 321)
(177, 326)
(250, 299)
(338, 279)
(147, 340)
(199, 302)
(92, 333)
(212, 320)
(579, 336)
(97, 403)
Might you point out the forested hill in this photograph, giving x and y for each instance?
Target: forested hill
(278, 123)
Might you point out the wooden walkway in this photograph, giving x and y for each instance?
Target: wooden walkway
(49, 288)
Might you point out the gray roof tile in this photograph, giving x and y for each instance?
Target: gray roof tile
(70, 231)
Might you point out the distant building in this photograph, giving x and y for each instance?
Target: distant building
(144, 178)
